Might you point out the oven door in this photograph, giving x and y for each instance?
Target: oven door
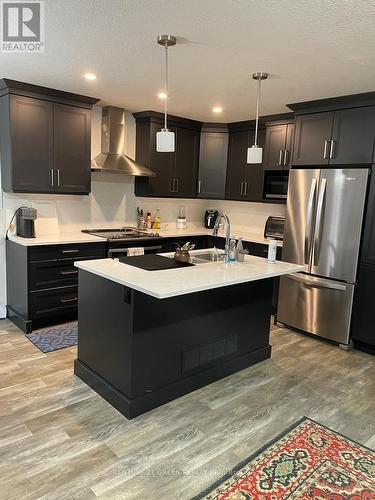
(275, 184)
(115, 252)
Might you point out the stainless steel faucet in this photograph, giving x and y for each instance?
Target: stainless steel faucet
(227, 235)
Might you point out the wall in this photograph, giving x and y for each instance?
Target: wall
(112, 203)
(250, 216)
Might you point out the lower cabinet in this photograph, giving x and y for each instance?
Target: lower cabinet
(42, 282)
(363, 332)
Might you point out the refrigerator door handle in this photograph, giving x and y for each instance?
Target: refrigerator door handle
(309, 215)
(312, 282)
(319, 214)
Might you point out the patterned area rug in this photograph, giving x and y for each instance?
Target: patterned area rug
(308, 461)
(56, 337)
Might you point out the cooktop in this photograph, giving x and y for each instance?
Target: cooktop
(123, 233)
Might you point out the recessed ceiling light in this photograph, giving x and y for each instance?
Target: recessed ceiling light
(90, 76)
(162, 95)
(217, 109)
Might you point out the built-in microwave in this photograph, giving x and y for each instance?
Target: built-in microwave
(275, 185)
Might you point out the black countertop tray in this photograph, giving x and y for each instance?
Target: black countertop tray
(153, 262)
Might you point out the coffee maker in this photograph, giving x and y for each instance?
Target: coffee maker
(210, 218)
(25, 222)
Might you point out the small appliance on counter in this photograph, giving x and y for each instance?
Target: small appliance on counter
(25, 222)
(274, 228)
(181, 222)
(210, 218)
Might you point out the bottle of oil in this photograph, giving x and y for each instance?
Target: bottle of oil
(157, 220)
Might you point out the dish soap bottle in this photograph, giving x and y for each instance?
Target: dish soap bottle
(240, 256)
(232, 251)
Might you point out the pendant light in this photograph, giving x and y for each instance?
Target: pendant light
(165, 138)
(254, 154)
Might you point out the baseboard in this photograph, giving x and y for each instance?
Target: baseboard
(131, 408)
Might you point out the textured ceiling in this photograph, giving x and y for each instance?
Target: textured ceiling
(311, 48)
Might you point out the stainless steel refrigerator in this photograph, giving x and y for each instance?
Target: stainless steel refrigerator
(323, 231)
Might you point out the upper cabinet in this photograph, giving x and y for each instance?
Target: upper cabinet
(353, 135)
(176, 173)
(244, 181)
(45, 139)
(337, 131)
(278, 146)
(72, 151)
(213, 155)
(26, 141)
(312, 139)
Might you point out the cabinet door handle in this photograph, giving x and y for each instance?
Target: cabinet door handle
(199, 186)
(73, 299)
(245, 193)
(52, 177)
(286, 157)
(66, 273)
(70, 251)
(172, 185)
(241, 189)
(177, 184)
(58, 177)
(280, 157)
(325, 152)
(332, 150)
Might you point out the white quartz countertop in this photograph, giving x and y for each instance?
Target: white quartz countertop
(181, 281)
(57, 239)
(170, 232)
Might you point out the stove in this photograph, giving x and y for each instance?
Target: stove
(122, 234)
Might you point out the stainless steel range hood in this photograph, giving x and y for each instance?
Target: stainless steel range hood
(112, 158)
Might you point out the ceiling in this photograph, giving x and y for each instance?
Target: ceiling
(311, 48)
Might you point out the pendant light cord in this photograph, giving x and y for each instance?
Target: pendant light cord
(257, 115)
(166, 85)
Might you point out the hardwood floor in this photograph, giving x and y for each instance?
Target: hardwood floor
(59, 440)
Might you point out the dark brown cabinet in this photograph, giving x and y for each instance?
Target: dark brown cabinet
(176, 173)
(363, 330)
(186, 162)
(311, 139)
(31, 134)
(335, 137)
(45, 139)
(353, 136)
(368, 243)
(278, 146)
(72, 132)
(244, 181)
(213, 156)
(42, 282)
(236, 169)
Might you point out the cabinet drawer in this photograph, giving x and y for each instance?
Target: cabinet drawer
(53, 301)
(59, 252)
(52, 274)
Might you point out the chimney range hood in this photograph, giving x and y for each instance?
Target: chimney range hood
(112, 158)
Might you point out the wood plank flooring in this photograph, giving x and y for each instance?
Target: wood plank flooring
(59, 440)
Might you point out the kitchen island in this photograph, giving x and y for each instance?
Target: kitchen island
(148, 337)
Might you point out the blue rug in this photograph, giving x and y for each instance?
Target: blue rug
(56, 337)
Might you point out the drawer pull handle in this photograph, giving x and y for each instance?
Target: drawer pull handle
(64, 273)
(73, 299)
(69, 251)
